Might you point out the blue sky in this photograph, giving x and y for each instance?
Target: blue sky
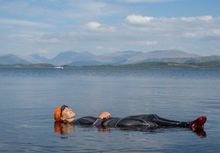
(47, 27)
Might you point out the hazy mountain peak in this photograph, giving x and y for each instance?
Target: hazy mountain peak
(122, 53)
(35, 58)
(9, 56)
(12, 59)
(118, 57)
(170, 54)
(160, 54)
(68, 57)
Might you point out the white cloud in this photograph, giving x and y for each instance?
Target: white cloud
(197, 18)
(41, 38)
(15, 22)
(93, 26)
(43, 51)
(139, 19)
(190, 34)
(100, 47)
(145, 20)
(57, 10)
(149, 43)
(146, 43)
(96, 26)
(185, 33)
(203, 34)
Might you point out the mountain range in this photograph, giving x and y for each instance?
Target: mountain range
(12, 59)
(117, 58)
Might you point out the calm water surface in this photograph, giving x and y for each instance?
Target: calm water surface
(28, 98)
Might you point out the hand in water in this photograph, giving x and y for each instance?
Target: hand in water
(105, 115)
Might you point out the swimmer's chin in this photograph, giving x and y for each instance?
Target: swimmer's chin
(70, 119)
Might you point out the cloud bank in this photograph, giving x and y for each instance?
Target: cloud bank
(28, 27)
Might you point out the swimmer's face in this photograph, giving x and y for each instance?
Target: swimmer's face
(68, 115)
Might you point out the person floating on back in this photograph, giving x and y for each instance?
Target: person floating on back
(64, 114)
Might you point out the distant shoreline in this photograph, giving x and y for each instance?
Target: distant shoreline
(214, 64)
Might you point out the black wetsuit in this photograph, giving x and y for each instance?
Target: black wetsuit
(145, 121)
(87, 121)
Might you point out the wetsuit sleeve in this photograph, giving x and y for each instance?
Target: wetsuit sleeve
(86, 121)
(111, 122)
(98, 122)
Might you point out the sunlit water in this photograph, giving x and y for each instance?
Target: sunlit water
(28, 98)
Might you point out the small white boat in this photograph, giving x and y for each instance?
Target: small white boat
(59, 67)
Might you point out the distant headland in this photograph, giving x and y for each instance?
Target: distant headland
(125, 59)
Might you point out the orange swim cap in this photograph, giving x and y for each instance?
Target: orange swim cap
(58, 114)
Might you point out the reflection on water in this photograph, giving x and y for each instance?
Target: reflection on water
(63, 129)
(28, 98)
(66, 129)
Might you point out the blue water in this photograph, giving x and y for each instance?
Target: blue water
(28, 98)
